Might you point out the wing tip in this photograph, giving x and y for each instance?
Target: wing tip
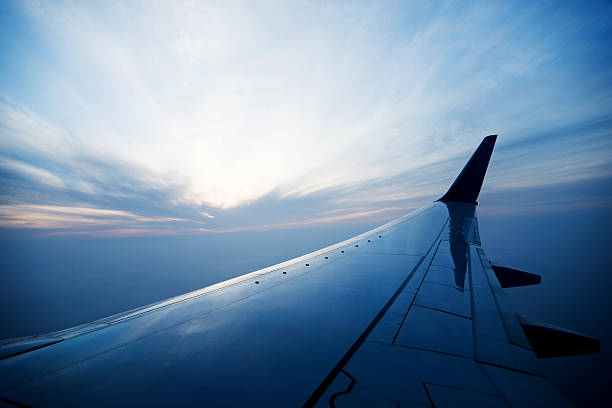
(467, 185)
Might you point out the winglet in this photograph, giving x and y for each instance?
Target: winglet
(467, 185)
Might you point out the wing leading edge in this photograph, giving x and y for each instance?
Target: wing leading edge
(409, 314)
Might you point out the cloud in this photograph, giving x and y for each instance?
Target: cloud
(34, 173)
(56, 217)
(237, 114)
(382, 214)
(99, 222)
(576, 196)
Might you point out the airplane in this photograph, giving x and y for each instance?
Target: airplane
(409, 314)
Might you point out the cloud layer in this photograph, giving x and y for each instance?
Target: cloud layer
(228, 115)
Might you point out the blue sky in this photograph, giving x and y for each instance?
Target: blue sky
(140, 118)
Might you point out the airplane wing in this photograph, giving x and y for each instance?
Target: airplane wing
(410, 314)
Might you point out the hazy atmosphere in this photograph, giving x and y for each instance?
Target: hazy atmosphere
(152, 148)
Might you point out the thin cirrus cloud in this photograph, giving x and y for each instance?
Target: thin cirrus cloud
(330, 219)
(203, 112)
(31, 172)
(57, 217)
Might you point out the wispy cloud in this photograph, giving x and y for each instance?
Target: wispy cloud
(34, 173)
(382, 214)
(98, 222)
(56, 217)
(207, 111)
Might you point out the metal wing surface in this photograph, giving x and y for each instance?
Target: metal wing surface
(409, 314)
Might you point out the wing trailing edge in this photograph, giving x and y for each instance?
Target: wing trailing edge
(466, 187)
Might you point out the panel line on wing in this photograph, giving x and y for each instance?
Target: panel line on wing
(320, 390)
(488, 377)
(446, 353)
(516, 370)
(443, 311)
(417, 291)
(332, 375)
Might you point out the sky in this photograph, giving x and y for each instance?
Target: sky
(152, 148)
(153, 118)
